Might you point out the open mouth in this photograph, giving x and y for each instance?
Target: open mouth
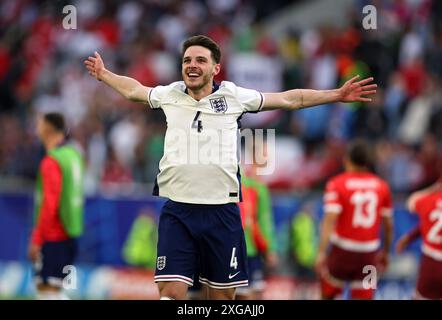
(193, 74)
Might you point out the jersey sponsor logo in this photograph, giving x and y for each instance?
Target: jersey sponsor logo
(219, 105)
(231, 276)
(161, 262)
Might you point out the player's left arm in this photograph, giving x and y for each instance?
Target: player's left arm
(351, 91)
(327, 226)
(332, 210)
(387, 227)
(388, 231)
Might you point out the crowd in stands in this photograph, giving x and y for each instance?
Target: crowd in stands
(41, 69)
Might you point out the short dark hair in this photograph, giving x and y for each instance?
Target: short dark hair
(205, 42)
(56, 120)
(360, 154)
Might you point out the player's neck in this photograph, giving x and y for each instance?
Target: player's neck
(201, 93)
(53, 141)
(355, 169)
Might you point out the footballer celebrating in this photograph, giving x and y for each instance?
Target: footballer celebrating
(201, 217)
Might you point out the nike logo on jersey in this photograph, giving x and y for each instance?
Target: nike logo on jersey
(231, 276)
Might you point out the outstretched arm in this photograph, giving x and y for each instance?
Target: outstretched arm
(351, 91)
(130, 88)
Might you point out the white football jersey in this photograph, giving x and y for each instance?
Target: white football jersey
(201, 154)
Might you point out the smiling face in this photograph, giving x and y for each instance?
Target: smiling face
(198, 68)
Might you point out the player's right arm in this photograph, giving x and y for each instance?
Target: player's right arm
(128, 87)
(415, 233)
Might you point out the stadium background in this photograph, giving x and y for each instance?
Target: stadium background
(267, 45)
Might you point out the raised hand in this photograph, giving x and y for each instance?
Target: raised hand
(353, 90)
(95, 65)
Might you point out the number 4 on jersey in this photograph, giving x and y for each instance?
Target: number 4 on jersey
(197, 124)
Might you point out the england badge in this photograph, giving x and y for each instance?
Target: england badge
(219, 105)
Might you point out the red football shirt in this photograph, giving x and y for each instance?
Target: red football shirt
(360, 199)
(428, 205)
(249, 217)
(49, 226)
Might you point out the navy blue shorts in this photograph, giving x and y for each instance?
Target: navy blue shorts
(210, 236)
(54, 257)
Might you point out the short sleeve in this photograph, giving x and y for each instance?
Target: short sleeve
(250, 100)
(419, 203)
(414, 201)
(332, 201)
(156, 95)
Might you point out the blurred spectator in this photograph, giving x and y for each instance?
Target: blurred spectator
(40, 70)
(116, 176)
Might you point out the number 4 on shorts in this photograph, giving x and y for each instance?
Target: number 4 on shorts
(233, 259)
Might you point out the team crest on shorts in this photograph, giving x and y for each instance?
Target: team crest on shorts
(161, 262)
(219, 105)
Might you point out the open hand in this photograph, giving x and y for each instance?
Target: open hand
(95, 65)
(353, 90)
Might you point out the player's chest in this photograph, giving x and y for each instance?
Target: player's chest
(200, 115)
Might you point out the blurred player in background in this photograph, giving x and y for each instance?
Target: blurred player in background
(257, 220)
(140, 249)
(356, 204)
(427, 204)
(201, 219)
(304, 241)
(58, 208)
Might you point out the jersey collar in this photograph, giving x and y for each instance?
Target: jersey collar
(215, 87)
